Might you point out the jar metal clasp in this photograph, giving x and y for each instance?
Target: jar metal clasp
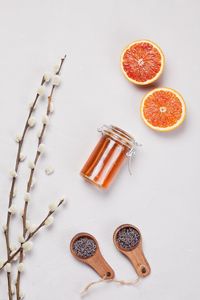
(131, 154)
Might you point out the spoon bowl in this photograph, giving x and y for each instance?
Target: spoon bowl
(85, 248)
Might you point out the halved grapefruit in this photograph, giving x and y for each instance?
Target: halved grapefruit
(163, 109)
(142, 62)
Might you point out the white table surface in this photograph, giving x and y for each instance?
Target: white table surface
(161, 198)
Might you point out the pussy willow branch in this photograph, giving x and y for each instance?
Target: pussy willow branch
(37, 156)
(40, 140)
(31, 235)
(13, 183)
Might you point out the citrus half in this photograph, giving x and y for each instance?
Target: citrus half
(163, 109)
(142, 62)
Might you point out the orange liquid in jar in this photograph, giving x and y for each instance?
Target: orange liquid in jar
(105, 161)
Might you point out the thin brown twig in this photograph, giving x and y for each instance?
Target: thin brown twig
(37, 156)
(13, 183)
(30, 236)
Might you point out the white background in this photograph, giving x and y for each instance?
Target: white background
(161, 198)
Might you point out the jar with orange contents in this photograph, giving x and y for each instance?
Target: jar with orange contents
(107, 158)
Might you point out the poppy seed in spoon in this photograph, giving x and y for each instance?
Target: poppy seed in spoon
(84, 247)
(127, 238)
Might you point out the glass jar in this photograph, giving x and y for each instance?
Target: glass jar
(112, 150)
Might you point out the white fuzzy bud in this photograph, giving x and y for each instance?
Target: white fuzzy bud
(41, 148)
(56, 80)
(45, 119)
(31, 165)
(32, 228)
(7, 268)
(53, 206)
(13, 250)
(27, 197)
(27, 246)
(13, 174)
(12, 288)
(12, 209)
(47, 76)
(28, 224)
(41, 90)
(1, 263)
(21, 295)
(33, 182)
(39, 134)
(14, 192)
(49, 221)
(21, 239)
(31, 105)
(51, 108)
(31, 122)
(63, 199)
(20, 267)
(4, 227)
(16, 257)
(18, 138)
(49, 170)
(56, 68)
(22, 157)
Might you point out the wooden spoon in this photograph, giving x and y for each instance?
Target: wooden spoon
(96, 261)
(135, 254)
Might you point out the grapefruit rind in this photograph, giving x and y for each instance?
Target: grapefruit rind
(161, 68)
(164, 129)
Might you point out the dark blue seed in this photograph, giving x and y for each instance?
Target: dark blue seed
(128, 238)
(84, 247)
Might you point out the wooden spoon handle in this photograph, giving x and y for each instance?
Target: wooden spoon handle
(99, 264)
(139, 261)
